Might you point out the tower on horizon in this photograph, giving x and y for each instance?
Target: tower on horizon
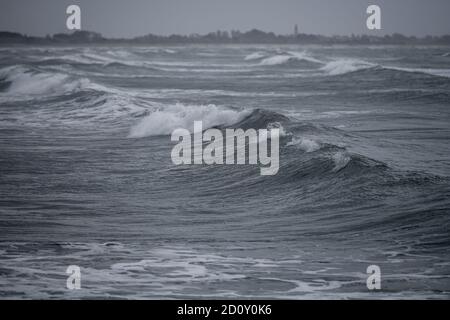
(296, 30)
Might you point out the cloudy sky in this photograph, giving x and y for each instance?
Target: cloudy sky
(119, 18)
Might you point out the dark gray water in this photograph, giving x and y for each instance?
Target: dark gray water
(86, 176)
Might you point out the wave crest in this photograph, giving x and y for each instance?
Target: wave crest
(305, 144)
(22, 80)
(344, 66)
(255, 56)
(163, 121)
(288, 57)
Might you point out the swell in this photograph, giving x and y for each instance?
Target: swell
(304, 146)
(97, 65)
(357, 67)
(322, 187)
(43, 98)
(362, 192)
(135, 62)
(336, 67)
(306, 153)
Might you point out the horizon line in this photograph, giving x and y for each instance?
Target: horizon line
(229, 32)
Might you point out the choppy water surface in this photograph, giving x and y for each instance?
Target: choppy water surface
(86, 176)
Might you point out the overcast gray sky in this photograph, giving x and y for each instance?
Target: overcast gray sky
(126, 18)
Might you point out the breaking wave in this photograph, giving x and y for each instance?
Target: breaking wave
(168, 118)
(305, 144)
(19, 80)
(255, 56)
(344, 66)
(288, 57)
(445, 73)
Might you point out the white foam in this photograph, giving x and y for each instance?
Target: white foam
(164, 120)
(73, 58)
(185, 265)
(30, 82)
(120, 54)
(275, 60)
(255, 56)
(434, 72)
(289, 56)
(343, 66)
(281, 131)
(341, 160)
(97, 58)
(305, 144)
(112, 56)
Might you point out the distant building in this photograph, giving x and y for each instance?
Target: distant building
(296, 30)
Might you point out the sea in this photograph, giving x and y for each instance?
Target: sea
(87, 180)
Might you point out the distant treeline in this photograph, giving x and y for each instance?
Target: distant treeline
(234, 37)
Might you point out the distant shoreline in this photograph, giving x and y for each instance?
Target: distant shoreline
(255, 37)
